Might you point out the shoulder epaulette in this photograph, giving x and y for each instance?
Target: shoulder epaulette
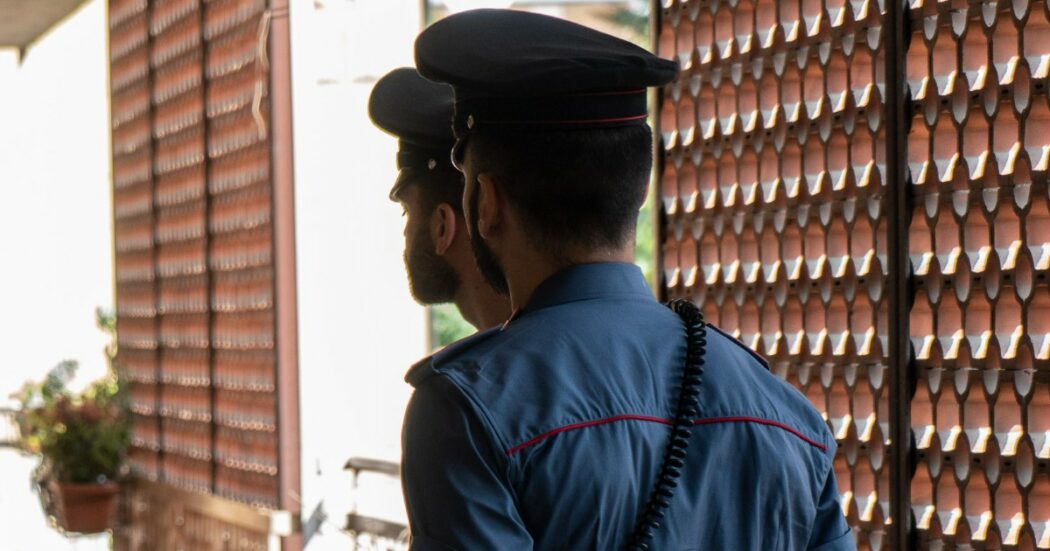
(427, 367)
(761, 360)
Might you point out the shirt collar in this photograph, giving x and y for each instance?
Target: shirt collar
(589, 281)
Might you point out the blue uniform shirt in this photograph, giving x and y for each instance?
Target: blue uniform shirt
(548, 433)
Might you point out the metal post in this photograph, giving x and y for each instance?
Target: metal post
(901, 386)
(659, 218)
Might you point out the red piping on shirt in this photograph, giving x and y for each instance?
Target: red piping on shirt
(698, 422)
(761, 421)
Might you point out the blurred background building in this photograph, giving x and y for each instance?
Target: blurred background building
(149, 150)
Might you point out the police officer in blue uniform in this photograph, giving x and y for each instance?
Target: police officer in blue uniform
(438, 256)
(595, 418)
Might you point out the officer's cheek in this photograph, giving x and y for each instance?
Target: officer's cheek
(407, 218)
(412, 233)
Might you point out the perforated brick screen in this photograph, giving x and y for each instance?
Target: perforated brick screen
(776, 209)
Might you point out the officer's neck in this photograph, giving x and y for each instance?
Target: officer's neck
(479, 303)
(525, 272)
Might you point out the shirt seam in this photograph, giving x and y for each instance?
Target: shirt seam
(479, 410)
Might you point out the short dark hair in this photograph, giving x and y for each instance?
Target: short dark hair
(573, 188)
(441, 185)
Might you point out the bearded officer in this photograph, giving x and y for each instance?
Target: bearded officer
(438, 258)
(596, 418)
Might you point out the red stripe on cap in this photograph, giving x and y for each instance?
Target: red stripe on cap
(619, 93)
(698, 422)
(580, 121)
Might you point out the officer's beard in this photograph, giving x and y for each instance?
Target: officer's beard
(431, 279)
(486, 260)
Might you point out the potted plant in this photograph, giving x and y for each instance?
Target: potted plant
(35, 397)
(81, 438)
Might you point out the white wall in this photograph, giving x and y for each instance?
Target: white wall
(56, 260)
(359, 330)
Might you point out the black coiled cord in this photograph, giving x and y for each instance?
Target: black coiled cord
(685, 414)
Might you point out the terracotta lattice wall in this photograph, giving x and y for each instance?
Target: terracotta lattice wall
(194, 239)
(775, 216)
(979, 239)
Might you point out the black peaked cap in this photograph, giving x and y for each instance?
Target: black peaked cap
(517, 68)
(419, 113)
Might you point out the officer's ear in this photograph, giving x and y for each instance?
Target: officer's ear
(443, 227)
(490, 211)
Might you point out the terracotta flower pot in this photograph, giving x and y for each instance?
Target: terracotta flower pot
(84, 508)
